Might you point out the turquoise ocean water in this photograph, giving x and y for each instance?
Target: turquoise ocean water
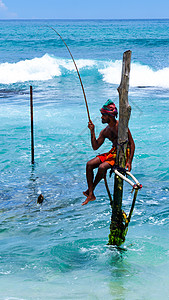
(59, 250)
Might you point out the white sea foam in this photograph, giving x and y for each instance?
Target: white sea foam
(43, 68)
(47, 67)
(141, 75)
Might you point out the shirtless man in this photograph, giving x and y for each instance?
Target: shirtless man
(107, 160)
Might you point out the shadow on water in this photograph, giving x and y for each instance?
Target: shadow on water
(33, 186)
(120, 271)
(6, 93)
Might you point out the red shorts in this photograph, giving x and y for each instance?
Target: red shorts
(110, 157)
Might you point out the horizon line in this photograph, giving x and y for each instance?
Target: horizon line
(83, 19)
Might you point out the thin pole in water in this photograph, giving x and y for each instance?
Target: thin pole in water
(32, 136)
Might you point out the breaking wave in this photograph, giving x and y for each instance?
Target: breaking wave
(140, 76)
(43, 68)
(47, 67)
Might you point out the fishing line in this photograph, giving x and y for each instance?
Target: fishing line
(76, 70)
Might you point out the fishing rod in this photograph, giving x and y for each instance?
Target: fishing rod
(76, 70)
(40, 198)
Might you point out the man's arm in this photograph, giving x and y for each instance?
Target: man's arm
(96, 143)
(132, 149)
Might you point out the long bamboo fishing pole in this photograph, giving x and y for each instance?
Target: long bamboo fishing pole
(77, 72)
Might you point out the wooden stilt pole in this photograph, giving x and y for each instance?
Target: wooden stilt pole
(117, 227)
(32, 134)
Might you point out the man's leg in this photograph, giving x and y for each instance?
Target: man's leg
(102, 169)
(90, 166)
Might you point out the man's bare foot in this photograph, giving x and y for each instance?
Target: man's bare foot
(86, 193)
(89, 198)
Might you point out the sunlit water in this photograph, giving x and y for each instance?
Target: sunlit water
(58, 250)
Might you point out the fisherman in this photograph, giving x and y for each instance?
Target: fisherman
(106, 160)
